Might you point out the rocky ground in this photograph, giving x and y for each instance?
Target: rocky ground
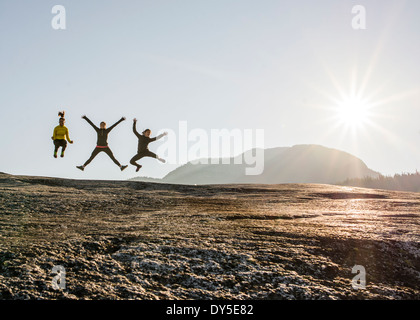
(138, 240)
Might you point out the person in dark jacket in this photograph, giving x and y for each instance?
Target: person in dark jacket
(143, 149)
(102, 143)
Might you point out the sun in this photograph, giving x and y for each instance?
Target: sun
(353, 111)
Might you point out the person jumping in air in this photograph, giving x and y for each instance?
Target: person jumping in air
(143, 150)
(102, 143)
(60, 134)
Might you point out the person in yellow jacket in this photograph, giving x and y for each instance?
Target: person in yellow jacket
(60, 134)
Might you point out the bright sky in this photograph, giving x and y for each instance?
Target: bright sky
(287, 67)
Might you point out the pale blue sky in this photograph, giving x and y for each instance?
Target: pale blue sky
(217, 64)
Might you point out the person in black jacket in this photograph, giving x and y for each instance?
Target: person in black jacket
(102, 143)
(143, 150)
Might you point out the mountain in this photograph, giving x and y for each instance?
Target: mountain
(297, 164)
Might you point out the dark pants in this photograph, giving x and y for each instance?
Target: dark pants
(140, 155)
(98, 150)
(60, 143)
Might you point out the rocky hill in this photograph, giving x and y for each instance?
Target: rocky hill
(297, 164)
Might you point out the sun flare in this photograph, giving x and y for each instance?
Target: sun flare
(353, 111)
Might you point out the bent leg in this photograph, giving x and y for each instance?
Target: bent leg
(154, 155)
(56, 145)
(63, 146)
(151, 154)
(133, 160)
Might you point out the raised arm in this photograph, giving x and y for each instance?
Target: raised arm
(134, 128)
(116, 123)
(91, 123)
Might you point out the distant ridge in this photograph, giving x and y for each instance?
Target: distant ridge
(401, 182)
(297, 164)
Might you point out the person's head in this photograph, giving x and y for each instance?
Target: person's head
(147, 132)
(102, 125)
(61, 120)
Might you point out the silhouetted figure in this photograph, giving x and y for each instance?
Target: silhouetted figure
(143, 150)
(102, 143)
(60, 134)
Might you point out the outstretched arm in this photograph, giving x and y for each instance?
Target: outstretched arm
(116, 123)
(134, 128)
(159, 136)
(90, 122)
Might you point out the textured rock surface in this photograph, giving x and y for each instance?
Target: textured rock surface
(136, 240)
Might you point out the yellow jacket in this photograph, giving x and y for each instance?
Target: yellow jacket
(61, 132)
